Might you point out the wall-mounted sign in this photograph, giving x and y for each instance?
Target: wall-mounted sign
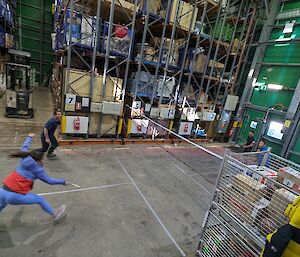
(253, 124)
(70, 101)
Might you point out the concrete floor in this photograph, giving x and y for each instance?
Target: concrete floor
(135, 201)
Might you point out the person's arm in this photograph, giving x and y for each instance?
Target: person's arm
(249, 146)
(277, 241)
(27, 143)
(42, 175)
(46, 134)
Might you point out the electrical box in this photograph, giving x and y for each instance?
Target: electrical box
(147, 107)
(96, 107)
(198, 116)
(171, 114)
(167, 113)
(188, 114)
(208, 116)
(113, 108)
(224, 122)
(231, 102)
(154, 113)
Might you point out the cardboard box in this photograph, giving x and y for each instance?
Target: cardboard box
(128, 5)
(236, 44)
(281, 198)
(9, 40)
(216, 64)
(238, 204)
(289, 177)
(199, 63)
(249, 188)
(262, 174)
(153, 6)
(184, 16)
(176, 42)
(82, 83)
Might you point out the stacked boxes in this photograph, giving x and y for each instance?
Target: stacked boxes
(75, 26)
(152, 5)
(184, 16)
(289, 177)
(198, 65)
(62, 32)
(9, 40)
(262, 174)
(244, 198)
(87, 36)
(173, 55)
(281, 198)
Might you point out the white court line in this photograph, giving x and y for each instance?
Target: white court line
(188, 176)
(152, 210)
(86, 189)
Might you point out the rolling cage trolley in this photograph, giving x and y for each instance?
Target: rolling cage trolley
(252, 192)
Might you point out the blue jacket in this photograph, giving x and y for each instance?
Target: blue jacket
(30, 169)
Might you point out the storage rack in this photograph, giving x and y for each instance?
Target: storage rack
(212, 79)
(252, 193)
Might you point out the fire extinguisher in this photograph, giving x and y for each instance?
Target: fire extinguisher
(139, 127)
(186, 128)
(77, 123)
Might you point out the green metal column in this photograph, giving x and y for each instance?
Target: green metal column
(279, 66)
(35, 25)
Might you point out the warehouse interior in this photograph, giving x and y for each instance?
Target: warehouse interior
(158, 100)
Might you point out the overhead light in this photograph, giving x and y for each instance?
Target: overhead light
(254, 82)
(289, 27)
(275, 86)
(251, 72)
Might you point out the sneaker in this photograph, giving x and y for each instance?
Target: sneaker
(58, 213)
(51, 155)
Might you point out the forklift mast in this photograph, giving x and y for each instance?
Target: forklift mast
(18, 91)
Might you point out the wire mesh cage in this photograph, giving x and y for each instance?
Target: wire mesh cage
(222, 240)
(253, 192)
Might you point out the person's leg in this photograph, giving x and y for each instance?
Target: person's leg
(2, 199)
(19, 199)
(45, 145)
(54, 144)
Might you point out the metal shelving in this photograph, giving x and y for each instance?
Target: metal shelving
(161, 45)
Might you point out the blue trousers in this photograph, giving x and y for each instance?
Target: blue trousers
(12, 198)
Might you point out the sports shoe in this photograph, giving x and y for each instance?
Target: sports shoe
(51, 155)
(58, 213)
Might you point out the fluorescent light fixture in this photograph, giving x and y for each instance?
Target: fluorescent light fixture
(254, 82)
(289, 27)
(283, 39)
(258, 84)
(251, 72)
(275, 86)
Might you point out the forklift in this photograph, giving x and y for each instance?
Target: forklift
(18, 91)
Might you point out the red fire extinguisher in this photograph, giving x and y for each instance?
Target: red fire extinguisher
(139, 127)
(77, 123)
(186, 128)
